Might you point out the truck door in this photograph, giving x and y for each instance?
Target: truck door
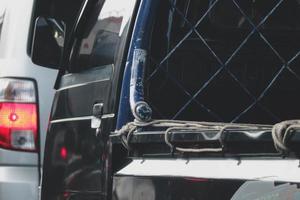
(83, 111)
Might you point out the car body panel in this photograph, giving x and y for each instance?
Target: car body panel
(76, 164)
(19, 182)
(19, 170)
(82, 171)
(15, 61)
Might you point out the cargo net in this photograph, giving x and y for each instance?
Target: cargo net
(225, 61)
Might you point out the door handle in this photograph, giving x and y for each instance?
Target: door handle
(97, 115)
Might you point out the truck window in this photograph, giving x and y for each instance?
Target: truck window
(98, 39)
(104, 29)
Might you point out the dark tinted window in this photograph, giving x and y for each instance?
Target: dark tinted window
(100, 32)
(100, 40)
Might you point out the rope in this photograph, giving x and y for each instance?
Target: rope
(190, 150)
(182, 126)
(281, 132)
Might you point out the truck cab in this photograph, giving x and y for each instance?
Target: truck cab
(172, 100)
(95, 35)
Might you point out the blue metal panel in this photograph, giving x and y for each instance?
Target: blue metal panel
(132, 96)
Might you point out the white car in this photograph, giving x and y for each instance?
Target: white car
(26, 93)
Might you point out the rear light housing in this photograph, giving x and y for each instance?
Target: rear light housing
(18, 114)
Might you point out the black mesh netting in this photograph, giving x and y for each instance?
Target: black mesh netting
(225, 60)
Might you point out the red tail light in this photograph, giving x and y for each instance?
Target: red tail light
(63, 153)
(18, 114)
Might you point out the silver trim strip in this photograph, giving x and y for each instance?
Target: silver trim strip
(82, 84)
(266, 169)
(105, 116)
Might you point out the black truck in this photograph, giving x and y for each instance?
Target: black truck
(172, 99)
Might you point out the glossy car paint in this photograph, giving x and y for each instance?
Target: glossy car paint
(140, 41)
(19, 170)
(77, 157)
(81, 171)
